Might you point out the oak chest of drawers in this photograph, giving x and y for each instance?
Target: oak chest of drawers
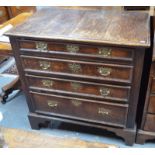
(82, 67)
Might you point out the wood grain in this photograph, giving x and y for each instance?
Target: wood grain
(123, 28)
(86, 50)
(149, 123)
(92, 90)
(120, 73)
(82, 109)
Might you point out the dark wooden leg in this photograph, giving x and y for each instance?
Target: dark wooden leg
(140, 139)
(50, 125)
(130, 140)
(37, 122)
(143, 136)
(34, 123)
(129, 135)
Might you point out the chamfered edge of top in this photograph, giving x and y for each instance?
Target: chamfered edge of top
(69, 39)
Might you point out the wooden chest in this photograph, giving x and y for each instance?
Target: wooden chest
(147, 128)
(83, 67)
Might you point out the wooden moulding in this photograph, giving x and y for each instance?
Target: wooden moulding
(37, 121)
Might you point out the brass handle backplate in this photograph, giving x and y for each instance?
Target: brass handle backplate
(41, 46)
(105, 52)
(104, 71)
(103, 111)
(52, 103)
(75, 85)
(75, 68)
(72, 48)
(44, 65)
(76, 103)
(104, 92)
(47, 83)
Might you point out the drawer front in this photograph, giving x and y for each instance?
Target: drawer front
(99, 71)
(150, 123)
(80, 109)
(102, 91)
(96, 51)
(153, 85)
(151, 107)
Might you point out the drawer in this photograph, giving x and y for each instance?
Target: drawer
(151, 107)
(3, 11)
(98, 71)
(150, 123)
(91, 90)
(87, 110)
(76, 49)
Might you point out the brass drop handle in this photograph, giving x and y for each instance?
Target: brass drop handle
(47, 83)
(72, 48)
(104, 92)
(76, 102)
(104, 71)
(44, 65)
(41, 46)
(1, 13)
(52, 103)
(103, 111)
(75, 68)
(105, 52)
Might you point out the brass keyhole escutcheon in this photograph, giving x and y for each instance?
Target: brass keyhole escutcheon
(76, 103)
(104, 71)
(103, 111)
(52, 104)
(41, 46)
(75, 68)
(72, 48)
(44, 65)
(75, 85)
(104, 92)
(47, 83)
(105, 52)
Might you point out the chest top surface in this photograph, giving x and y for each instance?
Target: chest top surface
(96, 26)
